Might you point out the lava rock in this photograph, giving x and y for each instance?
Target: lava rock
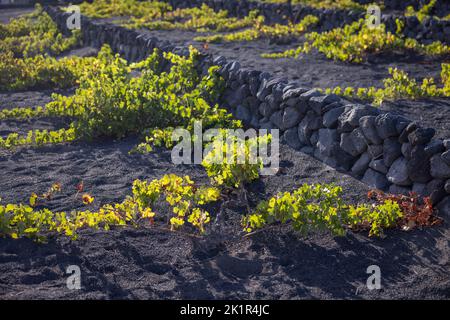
(309, 94)
(264, 90)
(317, 103)
(406, 150)
(436, 191)
(330, 118)
(375, 150)
(421, 136)
(293, 93)
(419, 165)
(391, 151)
(434, 147)
(353, 143)
(308, 150)
(378, 165)
(242, 113)
(291, 117)
(277, 91)
(362, 164)
(446, 157)
(314, 138)
(328, 138)
(439, 169)
(350, 118)
(265, 110)
(386, 126)
(277, 118)
(309, 123)
(291, 138)
(273, 103)
(375, 179)
(368, 127)
(398, 173)
(291, 102)
(419, 188)
(395, 189)
(403, 138)
(447, 186)
(446, 143)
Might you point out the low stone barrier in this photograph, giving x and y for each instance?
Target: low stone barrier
(385, 151)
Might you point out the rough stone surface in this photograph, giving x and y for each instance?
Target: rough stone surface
(444, 207)
(309, 94)
(446, 157)
(314, 138)
(391, 151)
(406, 150)
(403, 138)
(328, 138)
(386, 126)
(368, 127)
(277, 118)
(420, 188)
(291, 138)
(446, 143)
(309, 123)
(447, 186)
(291, 118)
(293, 93)
(353, 143)
(242, 113)
(317, 103)
(308, 150)
(439, 169)
(330, 118)
(350, 118)
(435, 146)
(265, 109)
(421, 136)
(419, 165)
(398, 173)
(263, 90)
(436, 191)
(361, 164)
(375, 179)
(378, 165)
(375, 150)
(395, 189)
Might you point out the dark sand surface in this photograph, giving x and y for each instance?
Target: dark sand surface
(7, 14)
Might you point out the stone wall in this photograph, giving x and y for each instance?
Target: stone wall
(385, 151)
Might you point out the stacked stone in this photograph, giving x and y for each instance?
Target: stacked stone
(386, 151)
